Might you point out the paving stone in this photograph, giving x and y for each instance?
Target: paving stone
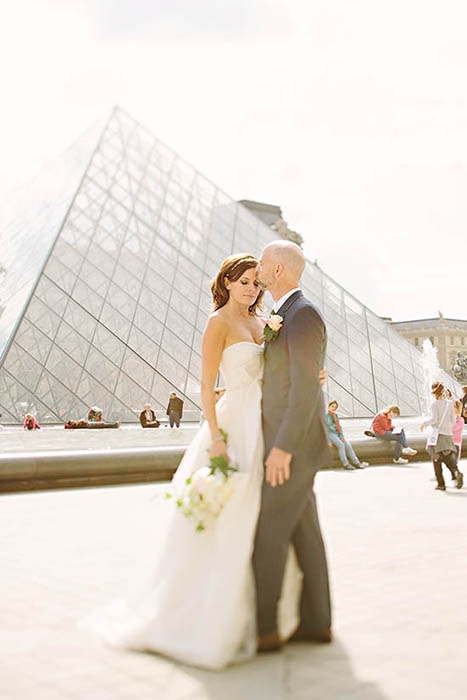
(398, 573)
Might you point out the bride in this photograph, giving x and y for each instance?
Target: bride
(200, 609)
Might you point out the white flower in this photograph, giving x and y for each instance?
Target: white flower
(200, 478)
(205, 494)
(275, 322)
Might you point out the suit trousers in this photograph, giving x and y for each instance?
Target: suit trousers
(289, 516)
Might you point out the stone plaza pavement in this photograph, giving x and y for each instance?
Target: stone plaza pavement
(398, 569)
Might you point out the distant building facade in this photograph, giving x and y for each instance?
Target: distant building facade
(271, 214)
(448, 336)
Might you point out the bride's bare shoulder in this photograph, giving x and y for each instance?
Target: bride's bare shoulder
(217, 318)
(216, 325)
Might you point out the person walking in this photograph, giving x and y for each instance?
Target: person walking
(440, 445)
(336, 438)
(175, 410)
(383, 429)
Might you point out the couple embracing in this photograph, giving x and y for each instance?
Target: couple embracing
(258, 577)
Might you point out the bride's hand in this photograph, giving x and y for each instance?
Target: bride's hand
(218, 449)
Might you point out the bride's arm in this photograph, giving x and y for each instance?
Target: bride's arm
(213, 345)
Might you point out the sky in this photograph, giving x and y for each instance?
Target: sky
(349, 114)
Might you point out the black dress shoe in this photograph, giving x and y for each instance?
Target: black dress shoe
(319, 637)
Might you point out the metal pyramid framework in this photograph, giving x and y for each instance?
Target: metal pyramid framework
(106, 290)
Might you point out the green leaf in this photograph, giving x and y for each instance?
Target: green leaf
(224, 435)
(168, 494)
(219, 462)
(179, 503)
(200, 527)
(222, 465)
(188, 481)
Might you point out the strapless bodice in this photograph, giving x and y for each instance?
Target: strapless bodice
(242, 364)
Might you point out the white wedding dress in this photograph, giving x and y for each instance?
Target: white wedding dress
(200, 607)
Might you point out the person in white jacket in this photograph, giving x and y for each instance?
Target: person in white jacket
(440, 445)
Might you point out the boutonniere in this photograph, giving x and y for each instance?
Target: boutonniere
(272, 327)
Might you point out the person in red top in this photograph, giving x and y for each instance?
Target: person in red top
(30, 423)
(383, 429)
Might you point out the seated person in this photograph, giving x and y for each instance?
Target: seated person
(383, 429)
(77, 424)
(148, 417)
(30, 423)
(95, 414)
(336, 438)
(89, 424)
(94, 420)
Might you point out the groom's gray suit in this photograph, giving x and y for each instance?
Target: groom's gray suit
(294, 420)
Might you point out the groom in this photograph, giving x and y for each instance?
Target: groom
(296, 445)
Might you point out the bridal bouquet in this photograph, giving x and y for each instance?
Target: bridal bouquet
(206, 492)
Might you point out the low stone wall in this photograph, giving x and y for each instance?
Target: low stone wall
(57, 470)
(77, 469)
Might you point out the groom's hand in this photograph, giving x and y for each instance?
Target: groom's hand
(323, 376)
(278, 467)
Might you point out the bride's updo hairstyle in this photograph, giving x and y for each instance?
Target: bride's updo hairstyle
(232, 269)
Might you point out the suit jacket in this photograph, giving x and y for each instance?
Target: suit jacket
(143, 419)
(294, 417)
(175, 406)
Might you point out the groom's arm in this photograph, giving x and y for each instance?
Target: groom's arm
(306, 340)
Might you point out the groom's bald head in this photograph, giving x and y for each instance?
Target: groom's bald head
(280, 267)
(289, 255)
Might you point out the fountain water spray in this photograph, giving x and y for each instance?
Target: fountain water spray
(431, 373)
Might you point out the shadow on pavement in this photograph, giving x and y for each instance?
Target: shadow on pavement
(299, 672)
(317, 671)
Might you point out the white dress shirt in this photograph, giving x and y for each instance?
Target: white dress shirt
(283, 299)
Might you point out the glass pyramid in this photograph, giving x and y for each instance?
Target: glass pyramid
(106, 291)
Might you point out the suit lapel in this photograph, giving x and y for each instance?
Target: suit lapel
(284, 308)
(288, 302)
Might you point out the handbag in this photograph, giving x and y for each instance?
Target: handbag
(432, 440)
